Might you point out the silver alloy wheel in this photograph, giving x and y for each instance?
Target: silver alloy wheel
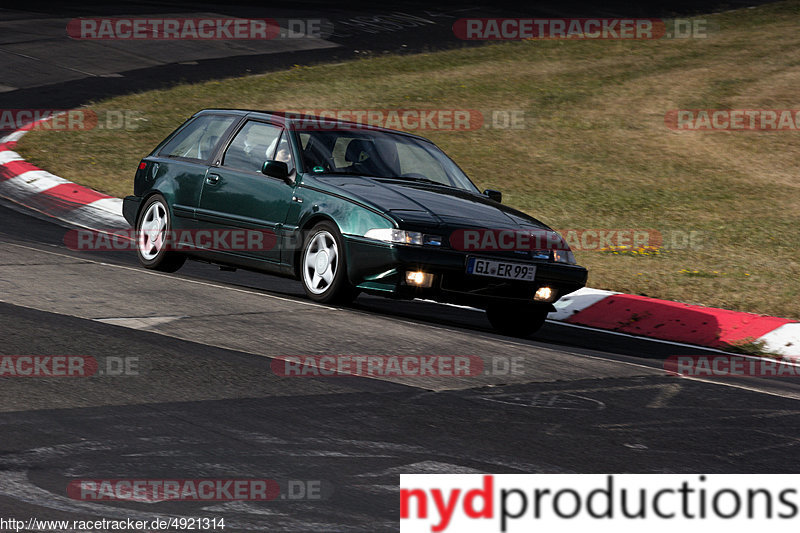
(152, 231)
(320, 261)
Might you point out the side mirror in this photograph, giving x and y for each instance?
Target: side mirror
(497, 196)
(276, 169)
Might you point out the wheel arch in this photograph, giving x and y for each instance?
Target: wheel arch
(307, 224)
(145, 197)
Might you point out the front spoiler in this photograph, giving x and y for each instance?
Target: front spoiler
(380, 268)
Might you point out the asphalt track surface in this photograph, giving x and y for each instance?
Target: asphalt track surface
(206, 402)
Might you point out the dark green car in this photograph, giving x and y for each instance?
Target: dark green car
(345, 208)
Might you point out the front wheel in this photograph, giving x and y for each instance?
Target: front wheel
(324, 267)
(153, 230)
(517, 320)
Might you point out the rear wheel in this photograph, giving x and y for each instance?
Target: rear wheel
(153, 230)
(517, 320)
(324, 267)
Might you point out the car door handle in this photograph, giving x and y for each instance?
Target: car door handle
(212, 179)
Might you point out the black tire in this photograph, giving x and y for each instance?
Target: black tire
(338, 288)
(163, 259)
(517, 320)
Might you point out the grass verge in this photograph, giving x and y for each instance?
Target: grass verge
(594, 151)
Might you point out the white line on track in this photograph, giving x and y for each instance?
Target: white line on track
(795, 396)
(179, 278)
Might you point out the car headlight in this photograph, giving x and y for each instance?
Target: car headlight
(401, 236)
(564, 256)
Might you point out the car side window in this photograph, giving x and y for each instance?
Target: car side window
(284, 153)
(255, 143)
(199, 138)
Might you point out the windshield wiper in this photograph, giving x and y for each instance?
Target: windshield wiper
(418, 180)
(344, 173)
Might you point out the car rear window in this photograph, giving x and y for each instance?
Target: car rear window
(198, 139)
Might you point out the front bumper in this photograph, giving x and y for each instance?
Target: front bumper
(380, 268)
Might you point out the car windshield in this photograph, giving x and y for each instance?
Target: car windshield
(379, 154)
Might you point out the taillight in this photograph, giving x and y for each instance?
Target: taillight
(142, 165)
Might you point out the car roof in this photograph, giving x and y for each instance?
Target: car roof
(303, 117)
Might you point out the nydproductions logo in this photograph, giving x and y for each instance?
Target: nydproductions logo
(620, 503)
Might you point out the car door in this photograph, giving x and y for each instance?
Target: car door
(237, 196)
(183, 163)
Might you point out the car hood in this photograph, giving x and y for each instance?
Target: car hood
(418, 204)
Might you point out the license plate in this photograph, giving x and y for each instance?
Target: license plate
(500, 269)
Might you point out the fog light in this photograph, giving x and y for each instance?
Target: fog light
(544, 294)
(419, 278)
